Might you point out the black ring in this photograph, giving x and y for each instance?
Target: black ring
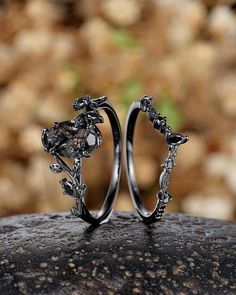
(173, 141)
(76, 139)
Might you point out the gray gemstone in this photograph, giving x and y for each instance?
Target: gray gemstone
(68, 140)
(170, 164)
(91, 139)
(164, 180)
(55, 168)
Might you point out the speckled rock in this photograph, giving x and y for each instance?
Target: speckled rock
(59, 254)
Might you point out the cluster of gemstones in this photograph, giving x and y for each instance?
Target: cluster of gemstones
(173, 141)
(74, 139)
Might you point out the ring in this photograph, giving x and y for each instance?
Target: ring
(76, 139)
(173, 140)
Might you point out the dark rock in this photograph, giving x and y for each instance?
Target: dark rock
(60, 254)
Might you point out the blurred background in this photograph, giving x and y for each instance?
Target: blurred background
(181, 52)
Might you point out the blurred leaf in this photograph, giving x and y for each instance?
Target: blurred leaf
(124, 40)
(130, 90)
(168, 108)
(76, 77)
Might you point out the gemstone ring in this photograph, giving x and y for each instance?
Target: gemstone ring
(173, 141)
(76, 139)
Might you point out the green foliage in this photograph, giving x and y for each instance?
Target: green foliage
(76, 77)
(124, 40)
(130, 90)
(168, 108)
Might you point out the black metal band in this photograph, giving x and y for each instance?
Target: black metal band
(173, 140)
(106, 210)
(77, 139)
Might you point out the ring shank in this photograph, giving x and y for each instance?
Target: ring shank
(106, 209)
(130, 170)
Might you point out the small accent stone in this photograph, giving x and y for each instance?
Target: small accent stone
(55, 168)
(91, 139)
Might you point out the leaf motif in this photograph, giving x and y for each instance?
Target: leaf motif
(55, 168)
(164, 180)
(67, 186)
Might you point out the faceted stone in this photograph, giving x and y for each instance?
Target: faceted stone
(156, 123)
(145, 103)
(176, 139)
(164, 197)
(68, 187)
(69, 140)
(170, 164)
(55, 168)
(91, 139)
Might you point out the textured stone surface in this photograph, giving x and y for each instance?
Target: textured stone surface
(59, 254)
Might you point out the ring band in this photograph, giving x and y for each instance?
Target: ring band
(173, 140)
(77, 139)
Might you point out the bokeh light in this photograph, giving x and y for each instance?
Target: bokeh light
(181, 52)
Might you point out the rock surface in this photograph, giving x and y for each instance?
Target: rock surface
(59, 254)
